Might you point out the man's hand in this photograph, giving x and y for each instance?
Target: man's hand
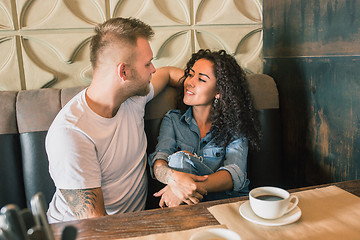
(85, 203)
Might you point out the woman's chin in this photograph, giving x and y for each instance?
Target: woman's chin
(186, 102)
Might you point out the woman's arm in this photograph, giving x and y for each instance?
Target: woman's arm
(219, 181)
(232, 175)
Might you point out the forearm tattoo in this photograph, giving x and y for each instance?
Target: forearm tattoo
(163, 173)
(81, 201)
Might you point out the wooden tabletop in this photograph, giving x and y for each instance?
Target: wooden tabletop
(162, 220)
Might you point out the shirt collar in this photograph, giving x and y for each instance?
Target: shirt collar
(187, 116)
(189, 119)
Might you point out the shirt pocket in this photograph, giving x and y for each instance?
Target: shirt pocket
(213, 157)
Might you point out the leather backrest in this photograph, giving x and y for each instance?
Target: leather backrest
(35, 111)
(11, 180)
(69, 93)
(264, 91)
(265, 166)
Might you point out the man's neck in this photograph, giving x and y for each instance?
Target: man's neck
(103, 101)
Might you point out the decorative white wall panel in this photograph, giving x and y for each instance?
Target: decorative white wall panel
(45, 43)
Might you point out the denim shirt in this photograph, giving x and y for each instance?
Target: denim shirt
(181, 132)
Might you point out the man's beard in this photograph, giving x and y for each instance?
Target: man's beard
(143, 90)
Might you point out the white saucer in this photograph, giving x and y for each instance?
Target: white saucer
(215, 233)
(247, 213)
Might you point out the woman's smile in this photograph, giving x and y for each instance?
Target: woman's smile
(200, 84)
(189, 92)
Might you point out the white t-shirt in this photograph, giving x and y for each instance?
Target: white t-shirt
(86, 150)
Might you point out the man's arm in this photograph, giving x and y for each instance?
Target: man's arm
(166, 76)
(85, 203)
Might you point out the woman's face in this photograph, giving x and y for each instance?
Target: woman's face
(200, 85)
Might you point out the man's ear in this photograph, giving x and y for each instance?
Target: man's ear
(121, 71)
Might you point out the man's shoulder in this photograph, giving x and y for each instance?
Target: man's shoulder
(70, 114)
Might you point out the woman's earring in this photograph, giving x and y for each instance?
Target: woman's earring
(216, 101)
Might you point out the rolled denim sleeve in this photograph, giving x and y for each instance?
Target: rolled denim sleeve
(236, 161)
(166, 142)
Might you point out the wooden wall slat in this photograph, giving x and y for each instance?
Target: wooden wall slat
(312, 50)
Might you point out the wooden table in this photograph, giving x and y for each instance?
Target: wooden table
(162, 220)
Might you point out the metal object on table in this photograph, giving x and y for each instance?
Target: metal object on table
(69, 233)
(28, 218)
(3, 235)
(37, 204)
(12, 225)
(30, 225)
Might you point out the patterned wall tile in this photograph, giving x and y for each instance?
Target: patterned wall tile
(172, 46)
(60, 14)
(9, 64)
(44, 43)
(6, 21)
(55, 59)
(244, 42)
(227, 12)
(154, 12)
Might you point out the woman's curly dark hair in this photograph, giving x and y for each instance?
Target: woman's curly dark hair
(234, 115)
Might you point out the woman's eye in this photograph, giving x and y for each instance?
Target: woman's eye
(201, 80)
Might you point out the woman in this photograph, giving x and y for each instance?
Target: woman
(202, 148)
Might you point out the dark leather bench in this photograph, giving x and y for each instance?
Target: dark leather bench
(26, 116)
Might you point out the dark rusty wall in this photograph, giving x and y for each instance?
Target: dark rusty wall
(312, 49)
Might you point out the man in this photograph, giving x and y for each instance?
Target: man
(96, 145)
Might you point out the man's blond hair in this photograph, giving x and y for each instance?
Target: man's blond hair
(123, 30)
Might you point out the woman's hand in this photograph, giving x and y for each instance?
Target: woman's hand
(183, 185)
(168, 198)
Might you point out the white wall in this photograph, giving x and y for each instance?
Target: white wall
(44, 43)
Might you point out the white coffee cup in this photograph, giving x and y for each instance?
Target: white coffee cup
(271, 202)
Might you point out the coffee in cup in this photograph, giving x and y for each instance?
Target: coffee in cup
(271, 202)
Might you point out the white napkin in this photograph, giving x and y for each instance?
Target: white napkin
(327, 213)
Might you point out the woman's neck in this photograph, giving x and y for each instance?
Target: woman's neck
(201, 115)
